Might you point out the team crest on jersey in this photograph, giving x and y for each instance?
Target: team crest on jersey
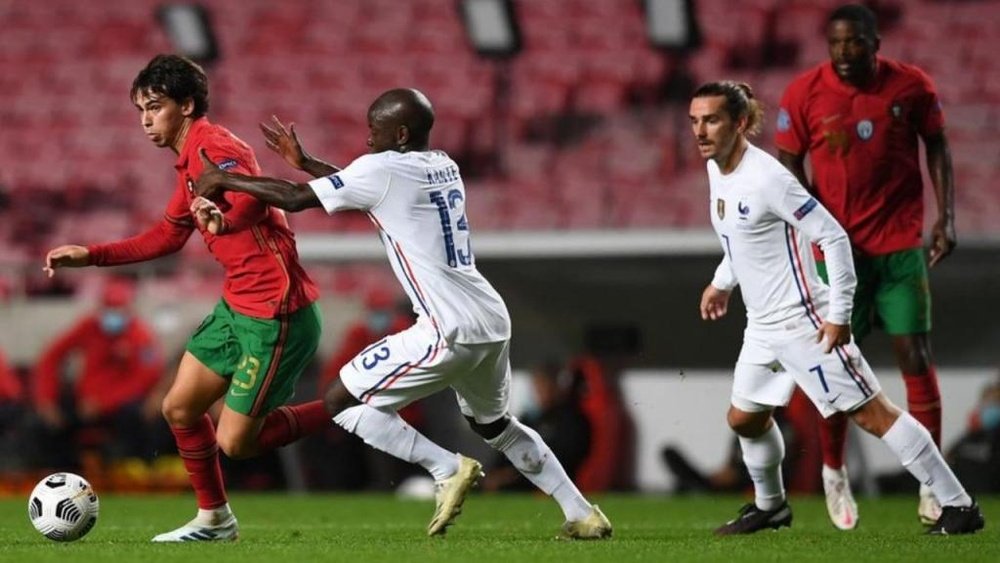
(896, 110)
(865, 129)
(784, 120)
(720, 208)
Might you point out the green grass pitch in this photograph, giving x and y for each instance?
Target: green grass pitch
(368, 528)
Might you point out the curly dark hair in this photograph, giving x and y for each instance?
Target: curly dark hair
(859, 14)
(175, 77)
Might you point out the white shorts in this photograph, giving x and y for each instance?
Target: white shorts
(772, 362)
(415, 363)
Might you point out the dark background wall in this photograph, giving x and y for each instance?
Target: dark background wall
(554, 301)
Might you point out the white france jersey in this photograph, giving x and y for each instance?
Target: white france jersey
(765, 220)
(417, 201)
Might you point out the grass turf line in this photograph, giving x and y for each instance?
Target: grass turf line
(366, 527)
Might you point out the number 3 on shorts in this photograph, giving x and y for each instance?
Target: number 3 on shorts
(373, 358)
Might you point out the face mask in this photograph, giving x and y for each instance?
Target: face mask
(113, 322)
(378, 321)
(989, 415)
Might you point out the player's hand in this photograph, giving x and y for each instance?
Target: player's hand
(284, 141)
(943, 241)
(207, 214)
(833, 335)
(68, 256)
(714, 303)
(211, 182)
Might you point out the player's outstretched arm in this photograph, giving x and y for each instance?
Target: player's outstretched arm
(272, 191)
(66, 256)
(285, 142)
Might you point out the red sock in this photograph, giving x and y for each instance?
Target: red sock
(923, 400)
(286, 424)
(832, 437)
(200, 451)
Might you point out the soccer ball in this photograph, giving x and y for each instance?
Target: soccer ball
(63, 507)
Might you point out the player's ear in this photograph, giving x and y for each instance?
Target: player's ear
(187, 107)
(741, 125)
(876, 44)
(402, 135)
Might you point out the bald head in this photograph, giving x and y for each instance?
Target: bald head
(400, 120)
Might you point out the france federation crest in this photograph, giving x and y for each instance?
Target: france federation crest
(865, 129)
(720, 208)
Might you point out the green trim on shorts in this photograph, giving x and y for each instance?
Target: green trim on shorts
(893, 293)
(261, 358)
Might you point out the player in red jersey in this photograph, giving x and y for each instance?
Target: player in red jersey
(859, 118)
(265, 329)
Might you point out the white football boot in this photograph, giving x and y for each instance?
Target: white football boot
(220, 527)
(839, 500)
(450, 494)
(929, 509)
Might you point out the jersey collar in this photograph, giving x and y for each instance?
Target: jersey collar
(192, 142)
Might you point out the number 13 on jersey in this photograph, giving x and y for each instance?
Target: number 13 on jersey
(458, 250)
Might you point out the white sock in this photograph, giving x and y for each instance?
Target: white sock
(387, 431)
(915, 448)
(762, 456)
(213, 516)
(533, 458)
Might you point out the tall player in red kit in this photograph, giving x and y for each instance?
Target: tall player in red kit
(859, 117)
(262, 333)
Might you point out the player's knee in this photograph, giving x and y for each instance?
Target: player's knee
(337, 399)
(747, 424)
(177, 414)
(236, 447)
(489, 430)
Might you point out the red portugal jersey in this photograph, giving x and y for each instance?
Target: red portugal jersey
(257, 249)
(863, 149)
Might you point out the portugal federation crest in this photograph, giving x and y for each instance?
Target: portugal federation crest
(865, 129)
(720, 208)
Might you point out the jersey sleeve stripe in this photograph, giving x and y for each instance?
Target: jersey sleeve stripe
(799, 275)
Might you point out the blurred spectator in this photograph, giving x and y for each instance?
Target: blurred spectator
(382, 317)
(610, 462)
(557, 415)
(101, 406)
(975, 458)
(798, 422)
(342, 461)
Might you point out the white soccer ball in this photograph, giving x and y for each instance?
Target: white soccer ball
(63, 507)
